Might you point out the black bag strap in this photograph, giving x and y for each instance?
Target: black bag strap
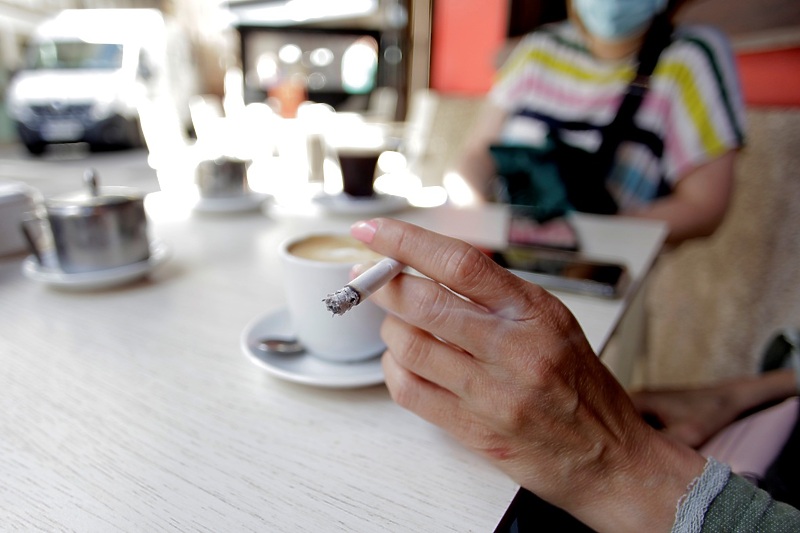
(656, 40)
(584, 174)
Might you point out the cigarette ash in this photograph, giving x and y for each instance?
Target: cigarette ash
(342, 300)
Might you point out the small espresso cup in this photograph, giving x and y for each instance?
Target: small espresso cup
(358, 166)
(314, 266)
(222, 177)
(105, 228)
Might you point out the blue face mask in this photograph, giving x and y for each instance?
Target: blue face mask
(617, 19)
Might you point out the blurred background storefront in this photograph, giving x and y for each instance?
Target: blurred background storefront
(211, 46)
(364, 55)
(353, 55)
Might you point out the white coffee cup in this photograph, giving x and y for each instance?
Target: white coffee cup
(316, 265)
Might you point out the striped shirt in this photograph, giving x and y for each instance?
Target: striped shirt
(693, 112)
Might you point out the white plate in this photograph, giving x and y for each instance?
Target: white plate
(236, 204)
(99, 279)
(342, 204)
(304, 367)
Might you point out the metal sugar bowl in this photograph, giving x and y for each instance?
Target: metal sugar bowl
(95, 229)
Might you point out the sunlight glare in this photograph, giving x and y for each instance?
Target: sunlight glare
(433, 196)
(459, 192)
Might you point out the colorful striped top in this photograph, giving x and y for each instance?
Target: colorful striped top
(693, 113)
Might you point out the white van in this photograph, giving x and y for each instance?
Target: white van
(87, 71)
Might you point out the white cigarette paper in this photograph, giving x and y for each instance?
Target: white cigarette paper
(363, 286)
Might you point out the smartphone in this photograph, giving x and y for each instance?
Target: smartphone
(564, 271)
(556, 233)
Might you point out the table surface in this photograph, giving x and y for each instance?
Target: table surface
(133, 408)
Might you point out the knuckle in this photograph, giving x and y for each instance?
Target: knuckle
(466, 263)
(434, 307)
(409, 346)
(537, 303)
(402, 388)
(468, 384)
(513, 417)
(402, 236)
(489, 442)
(541, 306)
(425, 304)
(399, 391)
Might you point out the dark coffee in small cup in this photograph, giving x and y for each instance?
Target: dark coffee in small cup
(358, 170)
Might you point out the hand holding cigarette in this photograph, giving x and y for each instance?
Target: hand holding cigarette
(363, 286)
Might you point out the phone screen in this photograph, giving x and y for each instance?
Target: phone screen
(557, 233)
(562, 270)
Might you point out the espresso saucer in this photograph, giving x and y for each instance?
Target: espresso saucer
(343, 204)
(98, 279)
(235, 204)
(304, 367)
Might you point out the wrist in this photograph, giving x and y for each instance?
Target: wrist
(643, 494)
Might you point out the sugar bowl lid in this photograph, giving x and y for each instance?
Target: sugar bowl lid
(93, 195)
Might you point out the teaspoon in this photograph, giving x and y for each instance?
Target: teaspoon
(281, 346)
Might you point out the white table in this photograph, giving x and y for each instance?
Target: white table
(133, 409)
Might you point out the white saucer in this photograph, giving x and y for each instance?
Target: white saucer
(304, 368)
(235, 204)
(99, 279)
(342, 204)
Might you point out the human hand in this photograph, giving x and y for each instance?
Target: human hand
(694, 415)
(691, 416)
(504, 367)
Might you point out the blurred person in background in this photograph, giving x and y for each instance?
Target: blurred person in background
(670, 153)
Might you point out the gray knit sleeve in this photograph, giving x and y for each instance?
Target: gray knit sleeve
(742, 508)
(718, 501)
(692, 507)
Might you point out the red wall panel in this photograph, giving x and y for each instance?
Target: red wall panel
(466, 35)
(771, 78)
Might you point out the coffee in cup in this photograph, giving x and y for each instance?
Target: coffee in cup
(333, 249)
(358, 170)
(314, 266)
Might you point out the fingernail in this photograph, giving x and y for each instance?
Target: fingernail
(364, 230)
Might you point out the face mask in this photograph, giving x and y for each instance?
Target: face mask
(617, 19)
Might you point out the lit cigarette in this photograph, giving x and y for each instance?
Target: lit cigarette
(363, 286)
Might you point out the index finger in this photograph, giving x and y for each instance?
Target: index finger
(455, 264)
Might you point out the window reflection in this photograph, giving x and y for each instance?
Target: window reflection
(71, 54)
(290, 53)
(267, 69)
(359, 64)
(333, 66)
(321, 57)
